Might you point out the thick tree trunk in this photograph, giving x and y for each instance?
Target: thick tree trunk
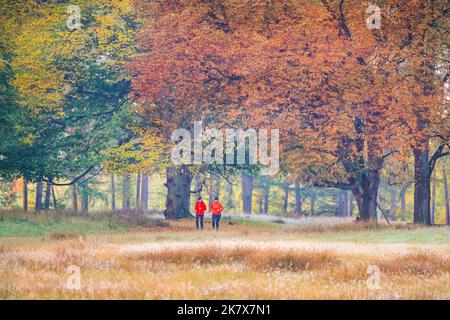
(444, 181)
(126, 196)
(113, 192)
(422, 176)
(25, 194)
(433, 197)
(144, 192)
(311, 205)
(366, 195)
(74, 199)
(38, 204)
(247, 192)
(298, 199)
(266, 198)
(178, 193)
(48, 190)
(137, 204)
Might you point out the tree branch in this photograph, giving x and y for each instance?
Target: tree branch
(75, 180)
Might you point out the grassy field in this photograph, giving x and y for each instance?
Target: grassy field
(146, 258)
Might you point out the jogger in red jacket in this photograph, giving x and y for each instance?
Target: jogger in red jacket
(200, 208)
(216, 210)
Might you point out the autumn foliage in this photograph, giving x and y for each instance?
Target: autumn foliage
(352, 86)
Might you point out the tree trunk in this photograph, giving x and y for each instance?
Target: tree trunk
(74, 199)
(198, 186)
(113, 193)
(340, 203)
(84, 202)
(298, 199)
(286, 199)
(350, 204)
(247, 192)
(138, 191)
(433, 197)
(260, 201)
(178, 193)
(266, 198)
(393, 197)
(210, 190)
(55, 204)
(126, 196)
(422, 176)
(38, 204)
(311, 205)
(338, 208)
(25, 194)
(144, 192)
(345, 203)
(229, 200)
(48, 191)
(403, 203)
(366, 195)
(444, 181)
(216, 190)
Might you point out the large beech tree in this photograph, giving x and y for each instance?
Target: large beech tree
(345, 95)
(350, 96)
(316, 78)
(185, 73)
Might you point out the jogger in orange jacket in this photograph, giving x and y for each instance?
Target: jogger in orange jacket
(216, 210)
(200, 208)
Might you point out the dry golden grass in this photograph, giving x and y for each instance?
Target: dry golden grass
(241, 261)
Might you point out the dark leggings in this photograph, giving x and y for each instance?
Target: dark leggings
(215, 221)
(197, 218)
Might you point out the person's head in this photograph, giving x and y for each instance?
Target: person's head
(216, 198)
(199, 199)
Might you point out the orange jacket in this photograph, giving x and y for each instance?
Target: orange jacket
(216, 207)
(200, 207)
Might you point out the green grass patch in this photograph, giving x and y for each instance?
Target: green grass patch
(61, 225)
(31, 227)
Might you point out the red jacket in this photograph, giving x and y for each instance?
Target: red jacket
(200, 207)
(216, 207)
